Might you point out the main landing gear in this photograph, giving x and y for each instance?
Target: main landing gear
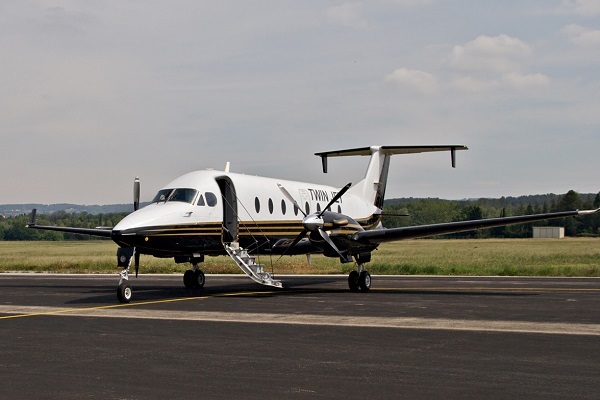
(359, 280)
(193, 278)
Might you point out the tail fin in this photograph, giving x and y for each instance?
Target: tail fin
(372, 187)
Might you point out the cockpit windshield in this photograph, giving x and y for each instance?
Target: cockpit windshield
(183, 195)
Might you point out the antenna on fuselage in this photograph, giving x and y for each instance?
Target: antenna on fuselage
(227, 165)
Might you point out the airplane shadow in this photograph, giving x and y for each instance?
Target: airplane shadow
(148, 292)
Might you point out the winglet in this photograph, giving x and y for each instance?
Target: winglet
(32, 218)
(324, 162)
(587, 212)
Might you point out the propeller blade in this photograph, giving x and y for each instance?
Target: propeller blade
(325, 236)
(290, 198)
(136, 194)
(295, 242)
(335, 198)
(136, 260)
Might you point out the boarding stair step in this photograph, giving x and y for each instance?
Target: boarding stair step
(247, 263)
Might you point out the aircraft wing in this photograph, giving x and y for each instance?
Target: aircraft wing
(413, 232)
(81, 231)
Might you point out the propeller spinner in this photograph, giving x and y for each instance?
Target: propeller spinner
(315, 222)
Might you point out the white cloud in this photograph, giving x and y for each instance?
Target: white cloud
(588, 8)
(523, 81)
(419, 81)
(348, 14)
(582, 36)
(490, 53)
(470, 84)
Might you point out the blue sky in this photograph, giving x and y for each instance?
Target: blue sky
(95, 93)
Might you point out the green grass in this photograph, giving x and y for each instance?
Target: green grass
(486, 257)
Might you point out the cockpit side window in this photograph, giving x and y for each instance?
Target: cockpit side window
(211, 199)
(201, 201)
(162, 195)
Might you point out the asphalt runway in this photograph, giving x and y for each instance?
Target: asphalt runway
(65, 336)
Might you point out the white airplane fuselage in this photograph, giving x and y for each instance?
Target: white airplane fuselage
(213, 207)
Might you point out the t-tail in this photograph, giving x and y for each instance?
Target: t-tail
(372, 187)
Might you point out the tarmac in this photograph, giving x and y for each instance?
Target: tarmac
(67, 337)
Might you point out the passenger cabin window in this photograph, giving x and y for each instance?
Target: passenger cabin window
(211, 199)
(270, 206)
(257, 204)
(182, 195)
(283, 207)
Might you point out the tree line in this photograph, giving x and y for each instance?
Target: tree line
(13, 228)
(420, 212)
(432, 211)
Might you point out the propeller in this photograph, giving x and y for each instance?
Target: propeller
(136, 194)
(314, 222)
(136, 206)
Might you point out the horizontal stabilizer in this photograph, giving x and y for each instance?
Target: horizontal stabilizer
(388, 151)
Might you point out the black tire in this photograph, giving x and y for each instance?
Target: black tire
(353, 281)
(188, 279)
(124, 292)
(364, 281)
(199, 279)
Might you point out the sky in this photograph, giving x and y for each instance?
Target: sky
(95, 93)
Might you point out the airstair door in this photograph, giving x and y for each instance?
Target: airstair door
(230, 215)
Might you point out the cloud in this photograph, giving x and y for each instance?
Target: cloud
(419, 81)
(587, 8)
(348, 14)
(523, 81)
(491, 62)
(582, 36)
(472, 85)
(490, 53)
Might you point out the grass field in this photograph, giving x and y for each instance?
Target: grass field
(515, 257)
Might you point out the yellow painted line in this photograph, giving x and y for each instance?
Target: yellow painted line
(507, 289)
(60, 310)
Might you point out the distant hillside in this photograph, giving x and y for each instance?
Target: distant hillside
(10, 210)
(536, 199)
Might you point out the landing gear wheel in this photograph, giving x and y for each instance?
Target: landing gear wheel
(364, 281)
(188, 279)
(124, 292)
(353, 281)
(199, 279)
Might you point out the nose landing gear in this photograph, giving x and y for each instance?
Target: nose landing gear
(359, 280)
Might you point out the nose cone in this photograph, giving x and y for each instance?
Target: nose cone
(138, 219)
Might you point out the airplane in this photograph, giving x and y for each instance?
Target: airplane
(212, 213)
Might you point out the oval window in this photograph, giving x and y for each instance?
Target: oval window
(283, 207)
(318, 207)
(257, 205)
(340, 209)
(307, 208)
(296, 210)
(270, 206)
